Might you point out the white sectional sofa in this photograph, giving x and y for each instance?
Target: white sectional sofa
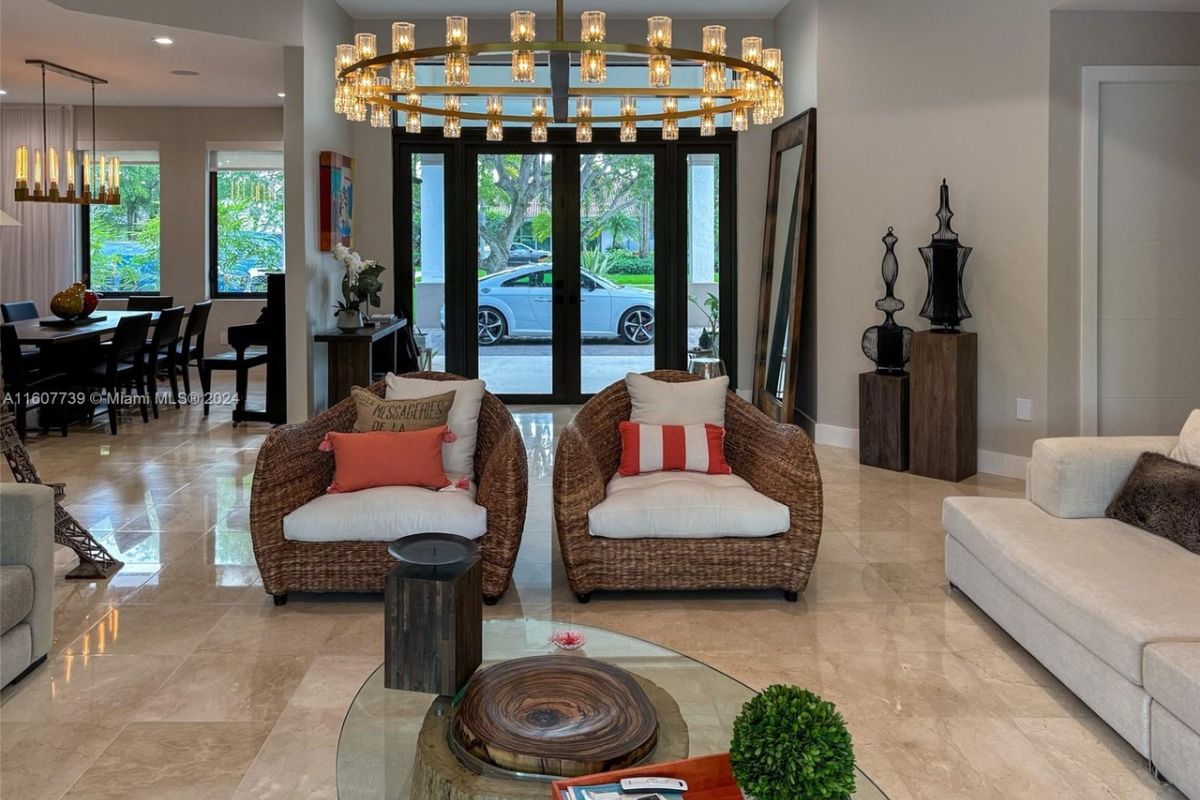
(1111, 610)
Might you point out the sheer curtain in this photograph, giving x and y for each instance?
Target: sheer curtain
(40, 257)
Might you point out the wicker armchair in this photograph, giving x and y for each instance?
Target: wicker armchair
(291, 471)
(777, 460)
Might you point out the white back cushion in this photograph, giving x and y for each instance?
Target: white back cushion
(1188, 449)
(691, 403)
(458, 457)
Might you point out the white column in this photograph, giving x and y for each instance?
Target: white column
(702, 170)
(433, 218)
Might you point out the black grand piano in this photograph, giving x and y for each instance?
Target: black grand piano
(259, 343)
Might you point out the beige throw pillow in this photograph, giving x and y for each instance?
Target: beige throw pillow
(1188, 449)
(378, 414)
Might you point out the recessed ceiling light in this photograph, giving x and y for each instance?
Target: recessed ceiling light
(281, 94)
(164, 40)
(185, 73)
(3, 92)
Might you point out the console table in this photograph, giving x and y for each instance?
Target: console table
(356, 357)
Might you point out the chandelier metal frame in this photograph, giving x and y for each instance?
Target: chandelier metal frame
(362, 82)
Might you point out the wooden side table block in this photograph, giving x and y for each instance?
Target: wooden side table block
(433, 621)
(944, 403)
(883, 420)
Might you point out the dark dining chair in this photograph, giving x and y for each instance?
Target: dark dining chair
(162, 349)
(23, 383)
(190, 349)
(149, 302)
(119, 364)
(16, 312)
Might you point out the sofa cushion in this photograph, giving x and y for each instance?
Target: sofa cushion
(1077, 477)
(463, 420)
(16, 594)
(385, 513)
(378, 414)
(1110, 586)
(685, 505)
(1171, 672)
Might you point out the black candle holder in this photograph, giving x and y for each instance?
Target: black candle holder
(945, 260)
(887, 344)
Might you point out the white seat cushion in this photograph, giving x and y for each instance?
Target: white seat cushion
(385, 513)
(1111, 587)
(685, 505)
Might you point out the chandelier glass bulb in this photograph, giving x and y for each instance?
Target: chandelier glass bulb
(538, 131)
(495, 129)
(522, 26)
(523, 66)
(457, 66)
(364, 46)
(713, 74)
(628, 125)
(713, 39)
(658, 32)
(381, 117)
(522, 30)
(592, 26)
(451, 124)
(708, 122)
(670, 126)
(583, 125)
(412, 119)
(739, 121)
(752, 49)
(456, 31)
(593, 67)
(660, 71)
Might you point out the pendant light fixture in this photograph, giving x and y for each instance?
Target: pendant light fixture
(99, 180)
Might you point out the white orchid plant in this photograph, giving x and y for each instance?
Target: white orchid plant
(361, 280)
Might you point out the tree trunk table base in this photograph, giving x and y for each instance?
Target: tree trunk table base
(442, 771)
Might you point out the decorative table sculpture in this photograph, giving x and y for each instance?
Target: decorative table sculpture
(883, 394)
(556, 715)
(945, 260)
(433, 614)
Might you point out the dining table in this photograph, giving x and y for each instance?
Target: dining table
(33, 332)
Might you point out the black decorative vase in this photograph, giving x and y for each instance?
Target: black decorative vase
(945, 259)
(887, 344)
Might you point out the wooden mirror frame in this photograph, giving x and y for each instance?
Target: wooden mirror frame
(800, 130)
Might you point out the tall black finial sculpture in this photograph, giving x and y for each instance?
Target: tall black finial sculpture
(945, 259)
(887, 344)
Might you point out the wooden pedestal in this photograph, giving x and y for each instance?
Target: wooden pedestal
(433, 620)
(883, 420)
(943, 404)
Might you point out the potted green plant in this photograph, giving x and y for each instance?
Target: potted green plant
(710, 334)
(789, 744)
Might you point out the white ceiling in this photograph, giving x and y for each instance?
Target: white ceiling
(1128, 5)
(718, 9)
(233, 71)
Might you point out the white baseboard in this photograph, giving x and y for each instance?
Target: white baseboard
(1004, 464)
(837, 436)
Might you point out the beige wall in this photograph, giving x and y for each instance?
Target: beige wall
(908, 94)
(182, 136)
(1079, 39)
(311, 126)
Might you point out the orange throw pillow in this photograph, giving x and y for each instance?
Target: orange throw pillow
(387, 458)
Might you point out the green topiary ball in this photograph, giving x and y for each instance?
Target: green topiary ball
(789, 744)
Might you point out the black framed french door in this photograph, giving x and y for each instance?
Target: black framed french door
(568, 270)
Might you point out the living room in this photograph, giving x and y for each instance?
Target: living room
(500, 401)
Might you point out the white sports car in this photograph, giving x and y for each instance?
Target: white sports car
(517, 302)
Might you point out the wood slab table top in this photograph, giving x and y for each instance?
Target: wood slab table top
(31, 331)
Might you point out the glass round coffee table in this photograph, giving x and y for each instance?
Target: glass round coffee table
(379, 740)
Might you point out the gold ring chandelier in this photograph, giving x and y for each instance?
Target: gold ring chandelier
(749, 89)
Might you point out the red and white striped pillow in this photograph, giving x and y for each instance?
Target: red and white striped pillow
(665, 448)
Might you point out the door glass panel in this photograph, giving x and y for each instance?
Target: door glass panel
(429, 254)
(617, 269)
(704, 268)
(515, 276)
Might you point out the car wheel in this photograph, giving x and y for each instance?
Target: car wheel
(491, 326)
(637, 326)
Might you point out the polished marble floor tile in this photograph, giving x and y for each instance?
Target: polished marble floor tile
(179, 678)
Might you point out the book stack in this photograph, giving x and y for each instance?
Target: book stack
(613, 791)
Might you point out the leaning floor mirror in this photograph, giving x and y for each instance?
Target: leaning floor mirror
(785, 251)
